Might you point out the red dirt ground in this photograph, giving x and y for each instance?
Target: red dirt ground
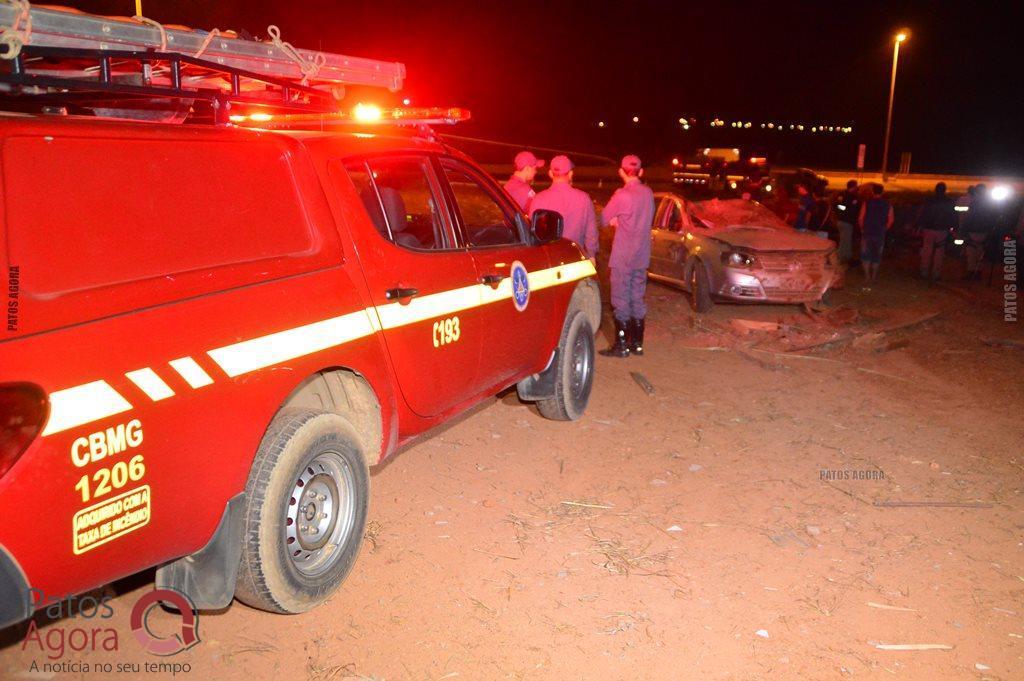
(698, 518)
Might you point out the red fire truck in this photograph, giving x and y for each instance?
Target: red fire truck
(226, 299)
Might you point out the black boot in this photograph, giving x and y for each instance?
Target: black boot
(636, 337)
(619, 348)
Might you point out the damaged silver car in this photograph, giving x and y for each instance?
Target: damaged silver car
(739, 251)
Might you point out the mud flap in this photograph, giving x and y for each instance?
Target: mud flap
(540, 386)
(208, 576)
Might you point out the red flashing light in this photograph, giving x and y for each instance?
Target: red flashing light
(361, 114)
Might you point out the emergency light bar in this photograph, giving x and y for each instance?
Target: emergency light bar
(69, 28)
(361, 114)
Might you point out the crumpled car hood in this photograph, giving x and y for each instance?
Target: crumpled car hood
(769, 238)
(749, 224)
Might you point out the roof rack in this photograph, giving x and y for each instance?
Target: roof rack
(136, 68)
(116, 82)
(66, 27)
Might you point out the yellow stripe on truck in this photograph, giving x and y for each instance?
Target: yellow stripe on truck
(90, 402)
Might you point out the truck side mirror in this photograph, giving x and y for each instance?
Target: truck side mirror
(546, 225)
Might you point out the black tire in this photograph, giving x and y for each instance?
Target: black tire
(575, 370)
(700, 288)
(289, 566)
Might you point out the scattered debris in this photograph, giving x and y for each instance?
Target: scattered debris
(658, 482)
(913, 646)
(882, 606)
(764, 364)
(642, 381)
(892, 345)
(981, 667)
(745, 326)
(813, 530)
(867, 340)
(584, 504)
(694, 467)
(674, 528)
(763, 633)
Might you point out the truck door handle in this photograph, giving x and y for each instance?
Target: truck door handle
(400, 294)
(492, 279)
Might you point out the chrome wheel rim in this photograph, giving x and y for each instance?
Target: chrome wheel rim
(582, 358)
(321, 514)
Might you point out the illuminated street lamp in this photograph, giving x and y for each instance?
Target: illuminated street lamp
(636, 119)
(900, 38)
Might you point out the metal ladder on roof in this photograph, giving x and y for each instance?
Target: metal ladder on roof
(51, 27)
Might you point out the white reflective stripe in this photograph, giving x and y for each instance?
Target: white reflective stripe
(193, 374)
(83, 404)
(420, 308)
(90, 402)
(150, 383)
(265, 351)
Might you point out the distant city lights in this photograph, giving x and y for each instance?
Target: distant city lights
(686, 123)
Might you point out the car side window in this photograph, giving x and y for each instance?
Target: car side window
(674, 222)
(406, 211)
(485, 222)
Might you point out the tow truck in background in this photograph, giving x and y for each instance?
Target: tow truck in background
(231, 290)
(719, 168)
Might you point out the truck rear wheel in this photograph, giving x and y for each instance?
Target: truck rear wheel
(306, 504)
(575, 370)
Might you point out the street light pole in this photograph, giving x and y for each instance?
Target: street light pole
(900, 37)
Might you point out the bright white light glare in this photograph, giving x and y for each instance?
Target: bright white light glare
(406, 101)
(636, 119)
(958, 242)
(1000, 192)
(260, 117)
(767, 187)
(366, 113)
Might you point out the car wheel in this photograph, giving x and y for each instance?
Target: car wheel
(700, 288)
(306, 503)
(575, 370)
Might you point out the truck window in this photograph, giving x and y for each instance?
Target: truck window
(410, 209)
(360, 176)
(484, 221)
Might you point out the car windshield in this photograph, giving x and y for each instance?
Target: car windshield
(718, 214)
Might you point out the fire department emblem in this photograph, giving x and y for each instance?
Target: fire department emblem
(520, 286)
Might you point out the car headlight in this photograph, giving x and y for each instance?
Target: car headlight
(737, 259)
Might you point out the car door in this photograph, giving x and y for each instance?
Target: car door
(678, 238)
(660, 239)
(517, 307)
(423, 286)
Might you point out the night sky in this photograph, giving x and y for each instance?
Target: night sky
(545, 73)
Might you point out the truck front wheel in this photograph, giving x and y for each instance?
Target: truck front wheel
(306, 504)
(574, 375)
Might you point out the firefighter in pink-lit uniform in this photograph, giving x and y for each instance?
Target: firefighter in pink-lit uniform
(520, 185)
(574, 204)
